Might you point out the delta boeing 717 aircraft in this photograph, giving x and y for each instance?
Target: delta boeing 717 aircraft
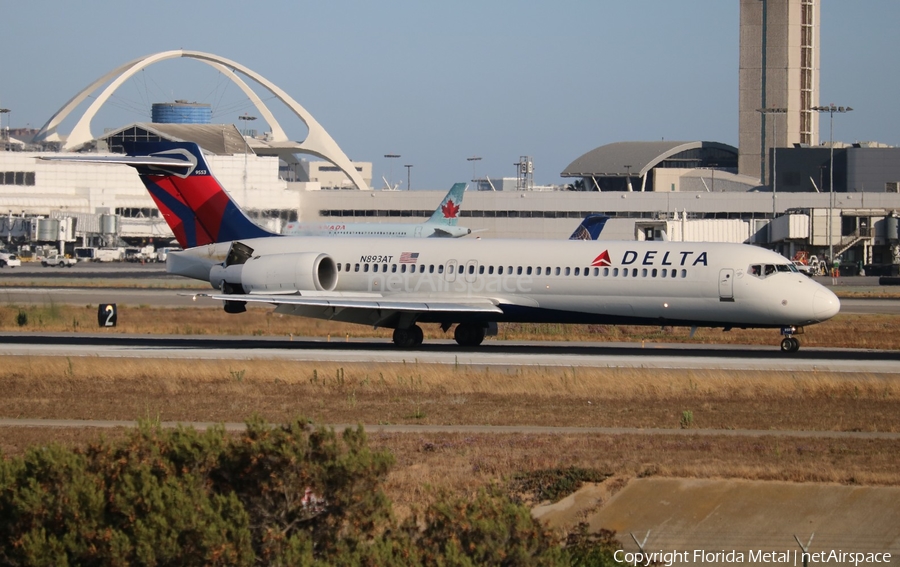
(467, 283)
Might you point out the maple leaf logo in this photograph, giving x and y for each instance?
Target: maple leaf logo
(602, 259)
(449, 209)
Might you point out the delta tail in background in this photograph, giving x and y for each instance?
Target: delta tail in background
(442, 224)
(470, 283)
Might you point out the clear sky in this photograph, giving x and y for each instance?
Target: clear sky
(437, 82)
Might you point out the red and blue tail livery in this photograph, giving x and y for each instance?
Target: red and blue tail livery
(190, 198)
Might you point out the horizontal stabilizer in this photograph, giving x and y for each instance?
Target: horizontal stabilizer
(134, 161)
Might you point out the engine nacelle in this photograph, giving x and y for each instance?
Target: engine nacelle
(277, 273)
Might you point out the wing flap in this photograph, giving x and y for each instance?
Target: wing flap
(467, 305)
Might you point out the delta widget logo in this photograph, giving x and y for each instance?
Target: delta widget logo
(602, 259)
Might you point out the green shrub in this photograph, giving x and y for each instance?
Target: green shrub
(290, 495)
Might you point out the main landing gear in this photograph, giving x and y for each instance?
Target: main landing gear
(411, 337)
(790, 343)
(469, 334)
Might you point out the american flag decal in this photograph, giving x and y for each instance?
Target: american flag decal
(409, 257)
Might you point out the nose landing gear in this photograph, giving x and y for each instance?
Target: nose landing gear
(790, 344)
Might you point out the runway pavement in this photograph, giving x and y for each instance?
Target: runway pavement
(492, 353)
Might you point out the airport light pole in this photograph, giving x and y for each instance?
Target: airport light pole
(391, 157)
(408, 168)
(246, 119)
(6, 138)
(765, 112)
(831, 109)
(474, 160)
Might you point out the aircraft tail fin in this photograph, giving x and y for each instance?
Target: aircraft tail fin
(448, 212)
(590, 228)
(193, 202)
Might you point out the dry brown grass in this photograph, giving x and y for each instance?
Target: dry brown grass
(228, 391)
(127, 389)
(851, 331)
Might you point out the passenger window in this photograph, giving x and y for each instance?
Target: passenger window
(339, 267)
(605, 272)
(568, 271)
(577, 271)
(538, 271)
(519, 271)
(431, 268)
(393, 268)
(664, 272)
(490, 269)
(557, 270)
(653, 273)
(365, 267)
(471, 269)
(509, 270)
(684, 273)
(375, 267)
(450, 269)
(480, 269)
(347, 267)
(644, 273)
(384, 267)
(356, 268)
(441, 269)
(500, 270)
(634, 273)
(403, 268)
(596, 272)
(528, 270)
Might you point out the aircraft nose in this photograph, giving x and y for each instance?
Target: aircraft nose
(825, 304)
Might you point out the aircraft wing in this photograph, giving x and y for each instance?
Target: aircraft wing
(373, 303)
(375, 310)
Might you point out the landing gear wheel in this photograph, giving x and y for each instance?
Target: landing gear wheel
(468, 334)
(790, 344)
(409, 338)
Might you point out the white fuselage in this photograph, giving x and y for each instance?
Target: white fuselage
(395, 230)
(669, 283)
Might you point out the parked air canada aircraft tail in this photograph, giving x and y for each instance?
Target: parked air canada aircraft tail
(470, 283)
(442, 224)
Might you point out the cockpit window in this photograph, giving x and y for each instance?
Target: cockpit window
(765, 270)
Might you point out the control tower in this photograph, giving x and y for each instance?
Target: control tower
(779, 69)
